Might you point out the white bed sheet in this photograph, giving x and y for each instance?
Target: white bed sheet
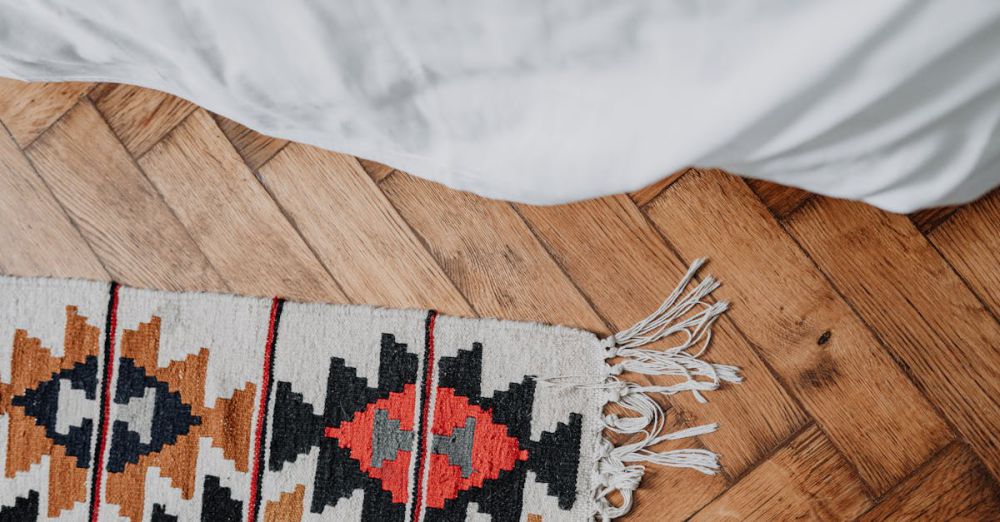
(894, 102)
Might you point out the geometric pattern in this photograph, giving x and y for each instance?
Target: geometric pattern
(480, 448)
(202, 408)
(161, 417)
(40, 384)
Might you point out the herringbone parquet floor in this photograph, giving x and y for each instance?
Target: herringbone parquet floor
(870, 342)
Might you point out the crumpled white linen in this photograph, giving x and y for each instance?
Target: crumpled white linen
(894, 102)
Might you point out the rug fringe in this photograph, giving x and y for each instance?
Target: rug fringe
(686, 317)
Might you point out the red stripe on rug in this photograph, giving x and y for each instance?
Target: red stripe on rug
(265, 394)
(109, 367)
(424, 413)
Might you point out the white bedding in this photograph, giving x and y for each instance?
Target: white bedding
(890, 101)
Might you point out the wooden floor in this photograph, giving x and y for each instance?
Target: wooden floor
(869, 341)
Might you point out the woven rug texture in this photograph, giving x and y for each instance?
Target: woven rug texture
(127, 404)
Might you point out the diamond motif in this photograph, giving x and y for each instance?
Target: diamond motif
(53, 401)
(150, 416)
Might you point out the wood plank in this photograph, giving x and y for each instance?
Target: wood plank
(117, 210)
(954, 486)
(231, 217)
(623, 267)
(490, 254)
(38, 237)
(900, 285)
(779, 199)
(806, 480)
(671, 494)
(970, 241)
(928, 219)
(255, 148)
(356, 232)
(139, 117)
(822, 352)
(376, 170)
(647, 194)
(27, 109)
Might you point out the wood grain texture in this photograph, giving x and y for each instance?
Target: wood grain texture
(490, 254)
(900, 285)
(647, 194)
(970, 241)
(139, 117)
(779, 199)
(953, 486)
(806, 480)
(28, 109)
(356, 233)
(929, 219)
(758, 414)
(376, 170)
(38, 237)
(231, 217)
(823, 353)
(255, 148)
(122, 217)
(671, 495)
(828, 423)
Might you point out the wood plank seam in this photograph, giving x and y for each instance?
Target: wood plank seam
(386, 178)
(357, 232)
(928, 467)
(928, 220)
(62, 208)
(789, 390)
(65, 212)
(920, 469)
(982, 302)
(768, 456)
(797, 207)
(295, 227)
(425, 275)
(902, 365)
(361, 164)
(646, 198)
(426, 246)
(28, 145)
(255, 171)
(779, 216)
(157, 190)
(136, 158)
(808, 478)
(24, 146)
(281, 209)
(881, 340)
(757, 352)
(246, 162)
(562, 269)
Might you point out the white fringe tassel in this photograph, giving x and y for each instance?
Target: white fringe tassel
(689, 318)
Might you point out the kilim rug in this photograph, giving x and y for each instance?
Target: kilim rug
(125, 404)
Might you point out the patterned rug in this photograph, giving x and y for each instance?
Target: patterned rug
(125, 404)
